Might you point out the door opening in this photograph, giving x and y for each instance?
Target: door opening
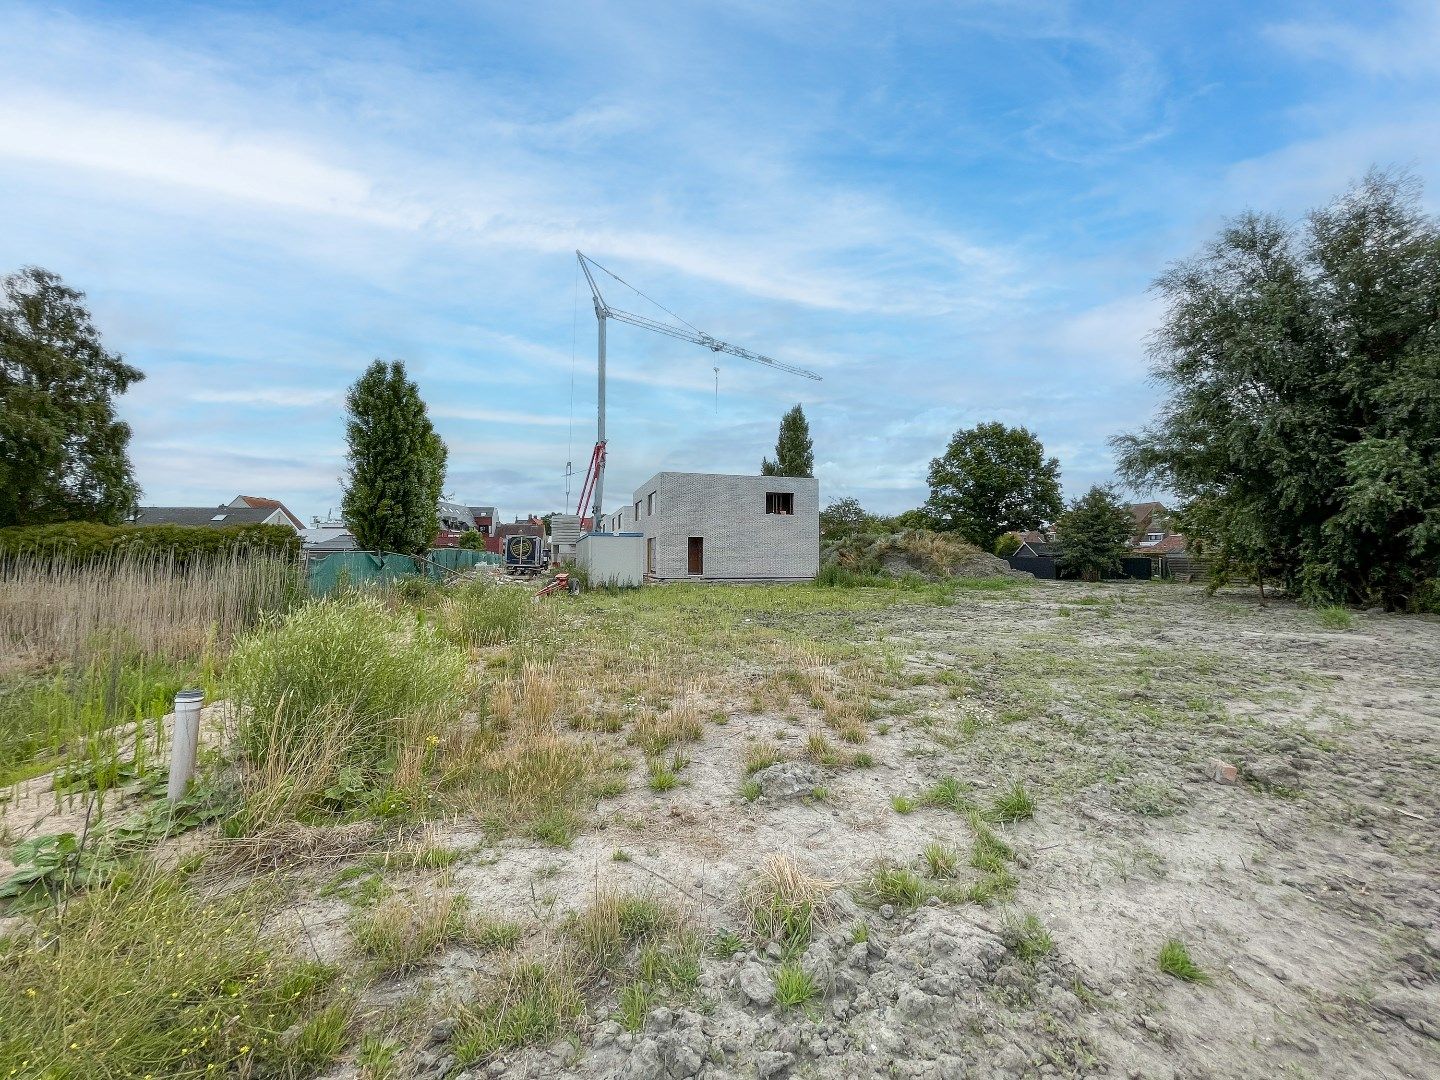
(697, 555)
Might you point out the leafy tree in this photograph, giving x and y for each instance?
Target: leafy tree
(794, 452)
(1302, 428)
(397, 463)
(993, 479)
(918, 518)
(1007, 545)
(472, 539)
(62, 452)
(842, 517)
(1094, 533)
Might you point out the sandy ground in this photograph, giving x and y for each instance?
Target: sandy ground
(1308, 889)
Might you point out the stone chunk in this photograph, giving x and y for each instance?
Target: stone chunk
(1222, 772)
(787, 779)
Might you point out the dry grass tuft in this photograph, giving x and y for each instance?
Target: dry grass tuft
(402, 931)
(286, 844)
(783, 901)
(656, 733)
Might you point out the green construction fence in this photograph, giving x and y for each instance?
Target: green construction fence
(348, 569)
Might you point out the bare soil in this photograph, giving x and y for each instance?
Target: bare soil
(1307, 889)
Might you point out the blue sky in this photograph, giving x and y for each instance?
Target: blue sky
(952, 211)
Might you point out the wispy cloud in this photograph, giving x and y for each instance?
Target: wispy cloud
(950, 211)
(1391, 41)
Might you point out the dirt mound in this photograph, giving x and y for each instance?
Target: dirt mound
(934, 556)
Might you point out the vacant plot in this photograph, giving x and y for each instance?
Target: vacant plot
(972, 830)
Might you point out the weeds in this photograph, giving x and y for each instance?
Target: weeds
(784, 902)
(338, 684)
(948, 794)
(602, 932)
(1016, 804)
(1175, 960)
(1335, 617)
(400, 931)
(793, 986)
(635, 1001)
(151, 979)
(527, 1001)
(761, 755)
(903, 804)
(726, 944)
(1026, 937)
(896, 885)
(941, 860)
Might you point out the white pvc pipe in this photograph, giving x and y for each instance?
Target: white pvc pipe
(185, 740)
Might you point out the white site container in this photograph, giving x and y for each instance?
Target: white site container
(612, 558)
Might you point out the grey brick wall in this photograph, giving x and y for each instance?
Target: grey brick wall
(741, 541)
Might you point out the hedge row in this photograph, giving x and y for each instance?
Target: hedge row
(84, 541)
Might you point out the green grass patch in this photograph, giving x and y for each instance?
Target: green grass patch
(147, 978)
(1026, 937)
(1015, 804)
(1174, 960)
(794, 986)
(526, 1002)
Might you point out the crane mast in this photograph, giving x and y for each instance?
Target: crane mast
(595, 477)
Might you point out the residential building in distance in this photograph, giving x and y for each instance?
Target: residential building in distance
(243, 510)
(721, 527)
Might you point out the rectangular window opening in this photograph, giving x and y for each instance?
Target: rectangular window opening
(650, 504)
(779, 502)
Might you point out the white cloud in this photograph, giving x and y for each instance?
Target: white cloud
(251, 167)
(1404, 45)
(280, 397)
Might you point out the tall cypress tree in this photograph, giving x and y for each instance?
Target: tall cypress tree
(397, 463)
(62, 451)
(794, 452)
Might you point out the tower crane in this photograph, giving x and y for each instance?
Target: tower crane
(595, 476)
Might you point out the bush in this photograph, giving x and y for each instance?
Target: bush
(337, 680)
(1007, 545)
(83, 542)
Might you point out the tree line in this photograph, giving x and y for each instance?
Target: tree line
(1298, 430)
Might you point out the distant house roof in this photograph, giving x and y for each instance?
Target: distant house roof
(1031, 536)
(327, 538)
(214, 517)
(1037, 550)
(1173, 544)
(1142, 512)
(456, 515)
(258, 502)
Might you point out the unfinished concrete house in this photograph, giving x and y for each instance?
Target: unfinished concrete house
(718, 527)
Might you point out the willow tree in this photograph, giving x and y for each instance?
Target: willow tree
(1301, 426)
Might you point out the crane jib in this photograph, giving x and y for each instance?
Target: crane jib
(687, 332)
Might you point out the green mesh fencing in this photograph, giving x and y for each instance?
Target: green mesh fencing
(348, 569)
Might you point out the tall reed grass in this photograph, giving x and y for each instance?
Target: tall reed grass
(52, 612)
